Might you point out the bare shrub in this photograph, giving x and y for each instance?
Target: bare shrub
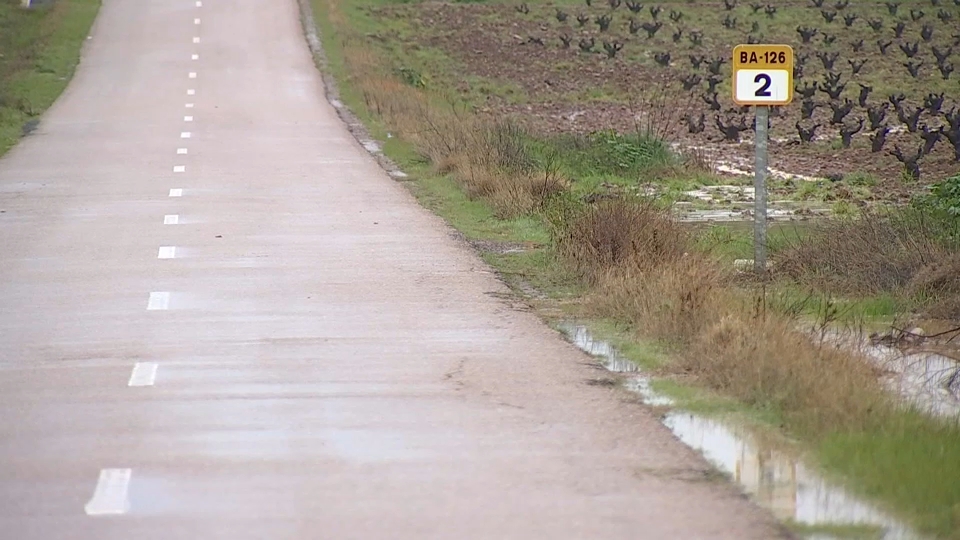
(674, 301)
(490, 161)
(617, 235)
(766, 362)
(872, 254)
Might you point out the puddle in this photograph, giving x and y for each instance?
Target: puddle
(773, 478)
(773, 214)
(605, 353)
(928, 380)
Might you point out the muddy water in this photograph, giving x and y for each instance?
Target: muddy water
(929, 381)
(772, 477)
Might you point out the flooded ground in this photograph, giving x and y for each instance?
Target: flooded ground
(773, 477)
(928, 380)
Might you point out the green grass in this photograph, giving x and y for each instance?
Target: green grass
(41, 49)
(909, 466)
(912, 463)
(837, 532)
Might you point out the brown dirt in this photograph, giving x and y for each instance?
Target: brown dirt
(564, 90)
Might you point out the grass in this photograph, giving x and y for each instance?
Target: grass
(837, 532)
(599, 250)
(41, 49)
(887, 461)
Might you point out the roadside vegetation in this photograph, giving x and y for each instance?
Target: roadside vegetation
(594, 213)
(39, 50)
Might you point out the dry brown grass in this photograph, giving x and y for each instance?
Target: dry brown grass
(618, 235)
(875, 253)
(645, 273)
(640, 261)
(766, 362)
(490, 161)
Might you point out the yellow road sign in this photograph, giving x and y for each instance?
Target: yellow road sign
(762, 74)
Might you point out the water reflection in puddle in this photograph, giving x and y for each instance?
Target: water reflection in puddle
(772, 477)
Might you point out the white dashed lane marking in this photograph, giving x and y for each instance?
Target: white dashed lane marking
(181, 151)
(158, 301)
(143, 374)
(191, 92)
(199, 4)
(176, 192)
(167, 252)
(195, 57)
(196, 40)
(185, 135)
(179, 168)
(110, 495)
(196, 21)
(189, 105)
(188, 119)
(192, 75)
(171, 219)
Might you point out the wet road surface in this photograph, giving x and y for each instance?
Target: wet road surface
(221, 319)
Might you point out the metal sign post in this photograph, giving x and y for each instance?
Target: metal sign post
(762, 76)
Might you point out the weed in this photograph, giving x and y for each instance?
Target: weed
(40, 49)
(879, 252)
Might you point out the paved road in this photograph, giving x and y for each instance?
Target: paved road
(220, 319)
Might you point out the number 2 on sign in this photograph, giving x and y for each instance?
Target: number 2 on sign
(764, 81)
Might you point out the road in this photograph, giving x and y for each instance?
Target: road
(221, 320)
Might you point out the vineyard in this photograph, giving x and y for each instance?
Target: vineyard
(875, 88)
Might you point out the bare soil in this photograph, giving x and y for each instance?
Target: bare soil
(565, 90)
